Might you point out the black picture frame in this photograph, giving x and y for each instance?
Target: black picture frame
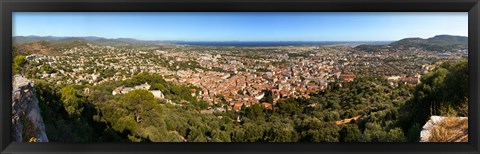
(9, 6)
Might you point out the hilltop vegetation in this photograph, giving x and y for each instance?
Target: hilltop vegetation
(40, 47)
(370, 48)
(443, 91)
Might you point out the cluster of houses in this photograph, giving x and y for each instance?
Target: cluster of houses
(392, 80)
(410, 81)
(238, 105)
(347, 77)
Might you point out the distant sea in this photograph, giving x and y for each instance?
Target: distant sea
(285, 43)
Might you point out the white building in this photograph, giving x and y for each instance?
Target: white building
(394, 78)
(157, 94)
(145, 86)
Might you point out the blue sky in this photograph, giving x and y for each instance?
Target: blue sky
(246, 26)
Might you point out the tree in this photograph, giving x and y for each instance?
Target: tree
(240, 92)
(196, 135)
(455, 89)
(268, 97)
(253, 132)
(281, 132)
(396, 135)
(374, 133)
(125, 123)
(443, 91)
(350, 133)
(71, 101)
(18, 64)
(289, 106)
(220, 136)
(254, 112)
(138, 102)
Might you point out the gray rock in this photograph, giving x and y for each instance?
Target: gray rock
(25, 106)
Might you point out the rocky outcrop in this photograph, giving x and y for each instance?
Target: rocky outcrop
(26, 113)
(445, 129)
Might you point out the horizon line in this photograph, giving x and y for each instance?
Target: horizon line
(231, 40)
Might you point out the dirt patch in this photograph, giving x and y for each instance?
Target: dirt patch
(346, 121)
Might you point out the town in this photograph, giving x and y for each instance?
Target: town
(239, 75)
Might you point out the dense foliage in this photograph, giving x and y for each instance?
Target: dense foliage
(18, 63)
(369, 48)
(443, 91)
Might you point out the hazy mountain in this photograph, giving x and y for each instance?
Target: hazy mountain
(87, 39)
(32, 38)
(436, 43)
(51, 45)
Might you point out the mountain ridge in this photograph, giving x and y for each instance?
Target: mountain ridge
(93, 39)
(436, 43)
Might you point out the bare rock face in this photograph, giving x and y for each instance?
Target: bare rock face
(25, 112)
